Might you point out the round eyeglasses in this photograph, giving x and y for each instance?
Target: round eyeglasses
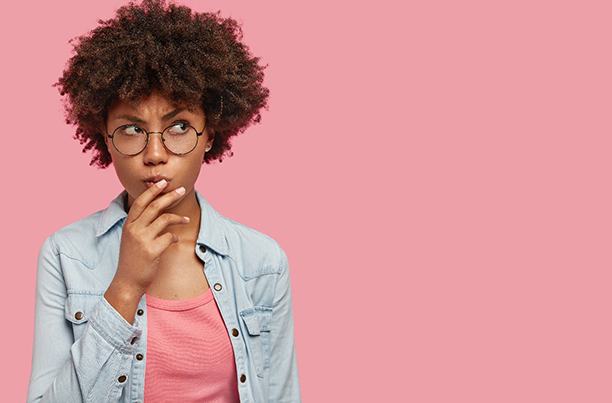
(180, 138)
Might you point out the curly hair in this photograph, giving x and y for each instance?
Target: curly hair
(191, 58)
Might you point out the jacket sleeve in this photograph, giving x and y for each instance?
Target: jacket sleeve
(88, 369)
(284, 385)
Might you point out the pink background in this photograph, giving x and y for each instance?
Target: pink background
(438, 174)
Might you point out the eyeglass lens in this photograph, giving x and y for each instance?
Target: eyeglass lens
(179, 139)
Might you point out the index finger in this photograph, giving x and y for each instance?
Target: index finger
(146, 197)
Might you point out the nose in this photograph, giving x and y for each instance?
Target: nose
(155, 151)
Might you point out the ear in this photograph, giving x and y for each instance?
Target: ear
(103, 132)
(104, 136)
(107, 141)
(211, 137)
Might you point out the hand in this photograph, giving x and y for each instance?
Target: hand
(141, 242)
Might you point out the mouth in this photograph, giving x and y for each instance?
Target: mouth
(152, 180)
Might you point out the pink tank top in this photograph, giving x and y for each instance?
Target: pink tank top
(189, 353)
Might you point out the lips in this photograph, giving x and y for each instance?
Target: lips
(155, 178)
(149, 184)
(152, 180)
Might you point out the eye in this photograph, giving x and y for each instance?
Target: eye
(179, 127)
(131, 130)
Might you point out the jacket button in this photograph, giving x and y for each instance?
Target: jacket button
(133, 340)
(78, 315)
(218, 287)
(122, 378)
(243, 378)
(202, 248)
(234, 332)
(140, 312)
(139, 357)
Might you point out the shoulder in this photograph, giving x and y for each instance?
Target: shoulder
(76, 240)
(258, 252)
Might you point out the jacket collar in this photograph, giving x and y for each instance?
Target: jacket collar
(211, 234)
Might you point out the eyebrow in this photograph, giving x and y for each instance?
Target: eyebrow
(138, 120)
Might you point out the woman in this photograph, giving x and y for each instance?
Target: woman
(158, 297)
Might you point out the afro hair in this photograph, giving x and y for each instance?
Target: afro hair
(191, 58)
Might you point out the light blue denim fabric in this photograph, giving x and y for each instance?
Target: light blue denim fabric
(82, 345)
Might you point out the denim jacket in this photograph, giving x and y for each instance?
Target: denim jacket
(85, 351)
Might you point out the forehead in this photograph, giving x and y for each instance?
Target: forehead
(154, 103)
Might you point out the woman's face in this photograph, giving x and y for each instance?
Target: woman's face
(155, 159)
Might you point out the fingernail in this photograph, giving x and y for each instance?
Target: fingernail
(180, 190)
(161, 183)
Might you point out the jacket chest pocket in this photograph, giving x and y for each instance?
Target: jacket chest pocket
(77, 310)
(256, 321)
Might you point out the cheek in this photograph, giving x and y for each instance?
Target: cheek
(125, 170)
(192, 166)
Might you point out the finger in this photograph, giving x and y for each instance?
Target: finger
(165, 240)
(162, 222)
(142, 201)
(156, 207)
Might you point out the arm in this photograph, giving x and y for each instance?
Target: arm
(284, 384)
(85, 370)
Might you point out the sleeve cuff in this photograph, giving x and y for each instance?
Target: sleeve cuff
(115, 329)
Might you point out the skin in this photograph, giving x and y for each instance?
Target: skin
(182, 170)
(180, 272)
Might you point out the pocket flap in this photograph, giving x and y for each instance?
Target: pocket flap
(78, 307)
(251, 321)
